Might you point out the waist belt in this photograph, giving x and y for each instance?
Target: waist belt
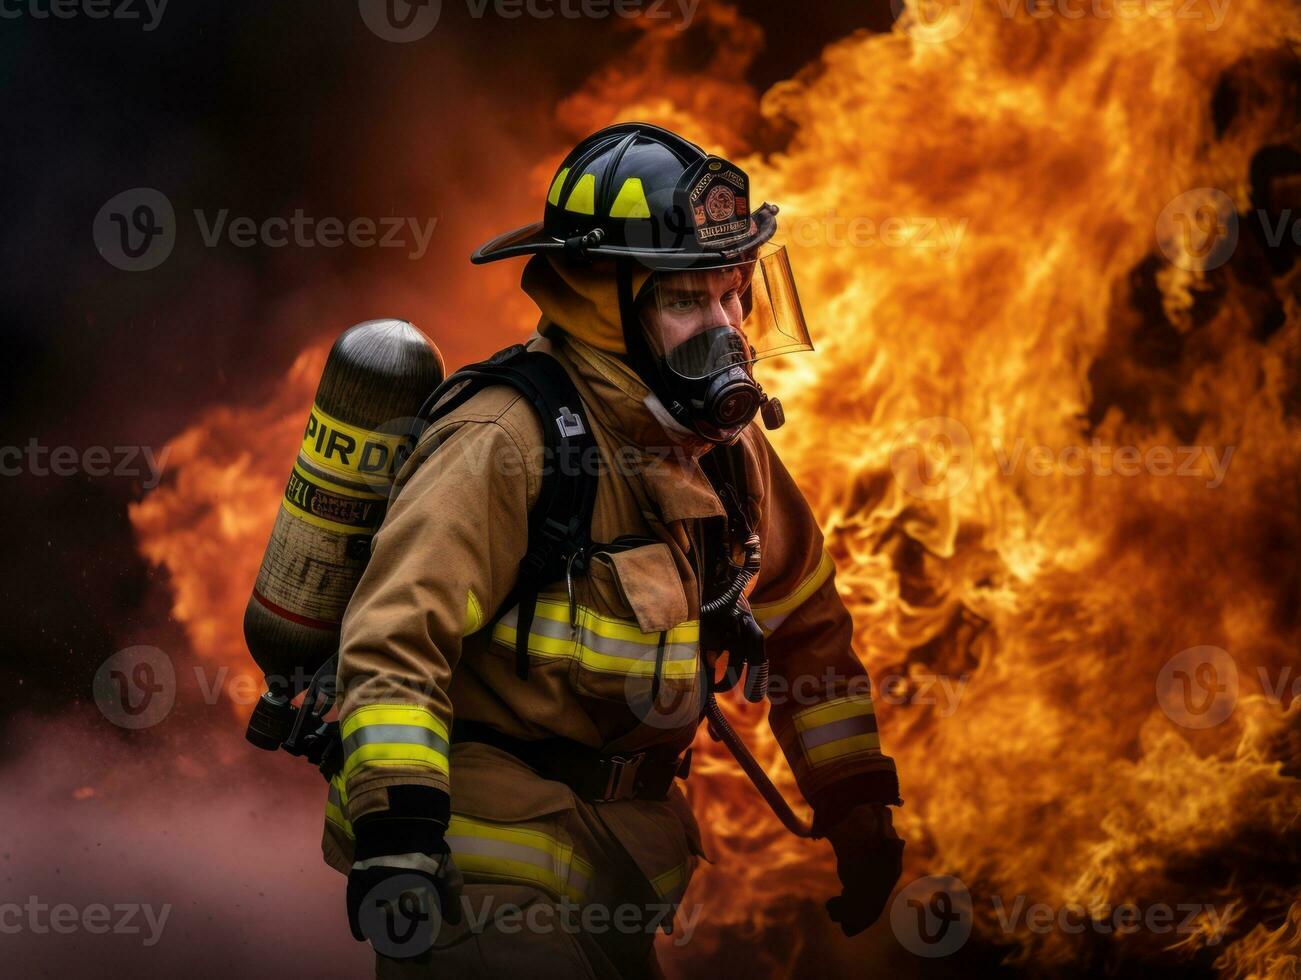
(593, 777)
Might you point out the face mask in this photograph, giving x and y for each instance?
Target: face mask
(708, 377)
(699, 331)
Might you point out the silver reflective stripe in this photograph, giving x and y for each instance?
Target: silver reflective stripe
(609, 646)
(632, 651)
(394, 735)
(833, 730)
(488, 847)
(772, 614)
(491, 850)
(578, 880)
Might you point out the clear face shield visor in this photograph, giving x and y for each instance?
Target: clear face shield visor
(702, 322)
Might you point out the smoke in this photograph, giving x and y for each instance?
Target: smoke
(207, 869)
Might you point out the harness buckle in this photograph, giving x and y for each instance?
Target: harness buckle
(622, 779)
(570, 424)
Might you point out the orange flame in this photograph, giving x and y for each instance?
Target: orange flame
(208, 525)
(974, 223)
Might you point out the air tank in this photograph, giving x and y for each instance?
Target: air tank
(360, 429)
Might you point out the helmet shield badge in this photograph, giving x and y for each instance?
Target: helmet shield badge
(717, 196)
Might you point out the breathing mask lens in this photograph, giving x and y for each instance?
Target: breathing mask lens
(703, 322)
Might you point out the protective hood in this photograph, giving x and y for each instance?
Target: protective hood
(583, 300)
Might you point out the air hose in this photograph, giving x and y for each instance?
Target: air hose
(721, 730)
(731, 602)
(732, 593)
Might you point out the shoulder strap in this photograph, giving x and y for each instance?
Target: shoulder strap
(560, 521)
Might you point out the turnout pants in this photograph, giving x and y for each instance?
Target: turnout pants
(554, 886)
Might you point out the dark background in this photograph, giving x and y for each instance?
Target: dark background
(261, 108)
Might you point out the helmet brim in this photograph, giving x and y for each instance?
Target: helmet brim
(522, 241)
(533, 239)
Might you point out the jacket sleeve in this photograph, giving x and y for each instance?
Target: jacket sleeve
(821, 709)
(444, 559)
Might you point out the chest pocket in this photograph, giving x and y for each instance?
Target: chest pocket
(625, 634)
(639, 647)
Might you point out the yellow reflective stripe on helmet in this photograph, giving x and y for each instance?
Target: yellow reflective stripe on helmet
(582, 199)
(336, 804)
(391, 734)
(837, 728)
(553, 195)
(631, 202)
(771, 615)
(601, 643)
(501, 851)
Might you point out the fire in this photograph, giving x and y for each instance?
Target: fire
(1058, 597)
(974, 223)
(209, 525)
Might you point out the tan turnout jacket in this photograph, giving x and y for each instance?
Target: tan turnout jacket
(415, 652)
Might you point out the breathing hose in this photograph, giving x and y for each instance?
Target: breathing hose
(756, 684)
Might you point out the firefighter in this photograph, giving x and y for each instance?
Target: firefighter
(508, 799)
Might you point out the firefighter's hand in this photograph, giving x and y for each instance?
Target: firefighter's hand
(869, 860)
(398, 902)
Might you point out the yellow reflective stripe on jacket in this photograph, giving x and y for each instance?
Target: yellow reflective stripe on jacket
(393, 734)
(505, 852)
(837, 728)
(771, 615)
(601, 643)
(336, 804)
(672, 883)
(473, 614)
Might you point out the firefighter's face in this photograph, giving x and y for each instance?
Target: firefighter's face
(680, 305)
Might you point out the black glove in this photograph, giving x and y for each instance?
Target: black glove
(869, 860)
(403, 885)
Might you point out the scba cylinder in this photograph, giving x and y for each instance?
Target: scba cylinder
(361, 428)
